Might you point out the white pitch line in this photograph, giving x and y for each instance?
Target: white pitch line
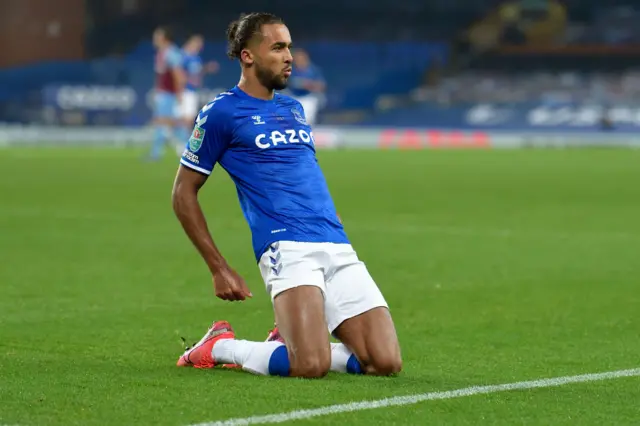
(414, 399)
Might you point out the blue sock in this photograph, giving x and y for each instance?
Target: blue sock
(353, 365)
(279, 362)
(263, 358)
(182, 134)
(272, 358)
(343, 360)
(159, 139)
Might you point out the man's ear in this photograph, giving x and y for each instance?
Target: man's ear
(246, 56)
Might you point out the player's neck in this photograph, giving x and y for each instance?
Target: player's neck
(255, 89)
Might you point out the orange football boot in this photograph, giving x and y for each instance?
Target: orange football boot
(274, 335)
(199, 355)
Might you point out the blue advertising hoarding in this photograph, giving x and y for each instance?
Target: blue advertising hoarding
(520, 117)
(104, 105)
(129, 106)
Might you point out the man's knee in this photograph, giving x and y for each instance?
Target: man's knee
(300, 318)
(385, 365)
(381, 363)
(313, 366)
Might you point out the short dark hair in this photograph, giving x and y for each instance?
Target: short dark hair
(242, 30)
(166, 32)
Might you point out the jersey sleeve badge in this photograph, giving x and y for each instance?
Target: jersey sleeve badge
(195, 141)
(299, 116)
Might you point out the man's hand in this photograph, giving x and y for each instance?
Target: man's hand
(229, 285)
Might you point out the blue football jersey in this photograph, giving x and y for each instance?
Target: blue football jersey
(267, 148)
(299, 75)
(192, 65)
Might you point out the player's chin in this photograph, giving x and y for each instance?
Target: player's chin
(281, 83)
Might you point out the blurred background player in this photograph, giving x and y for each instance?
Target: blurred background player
(307, 85)
(170, 82)
(194, 70)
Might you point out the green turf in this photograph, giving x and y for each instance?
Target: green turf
(499, 266)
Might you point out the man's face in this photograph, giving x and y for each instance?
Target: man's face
(158, 38)
(196, 44)
(272, 57)
(301, 59)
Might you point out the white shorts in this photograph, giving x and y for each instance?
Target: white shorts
(188, 107)
(345, 282)
(310, 105)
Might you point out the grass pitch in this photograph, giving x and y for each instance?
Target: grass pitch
(499, 266)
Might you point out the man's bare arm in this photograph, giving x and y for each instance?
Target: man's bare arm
(189, 213)
(179, 79)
